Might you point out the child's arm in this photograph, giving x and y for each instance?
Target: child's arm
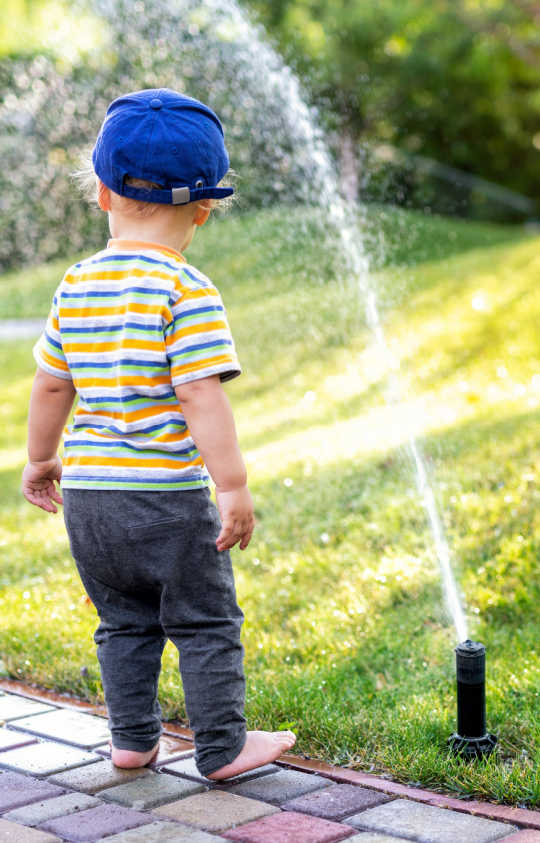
(50, 404)
(209, 418)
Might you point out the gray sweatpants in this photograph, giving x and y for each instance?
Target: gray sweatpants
(149, 563)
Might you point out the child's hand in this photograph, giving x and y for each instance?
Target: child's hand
(238, 521)
(38, 483)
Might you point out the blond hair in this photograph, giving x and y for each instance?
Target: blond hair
(87, 181)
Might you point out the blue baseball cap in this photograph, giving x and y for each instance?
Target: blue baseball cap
(164, 137)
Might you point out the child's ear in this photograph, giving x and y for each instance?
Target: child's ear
(103, 196)
(202, 212)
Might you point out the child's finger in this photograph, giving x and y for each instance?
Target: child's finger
(55, 494)
(246, 539)
(43, 495)
(223, 541)
(235, 531)
(37, 498)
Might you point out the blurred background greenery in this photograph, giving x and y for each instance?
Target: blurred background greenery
(429, 105)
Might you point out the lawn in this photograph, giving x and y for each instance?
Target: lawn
(347, 637)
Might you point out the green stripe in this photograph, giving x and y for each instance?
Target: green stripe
(72, 483)
(112, 374)
(201, 353)
(123, 451)
(113, 334)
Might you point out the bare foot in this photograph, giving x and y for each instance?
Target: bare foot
(127, 759)
(260, 748)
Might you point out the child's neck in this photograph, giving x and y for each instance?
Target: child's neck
(165, 229)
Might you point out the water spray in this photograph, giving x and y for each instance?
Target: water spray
(471, 740)
(237, 46)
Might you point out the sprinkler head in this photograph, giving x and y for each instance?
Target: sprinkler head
(471, 739)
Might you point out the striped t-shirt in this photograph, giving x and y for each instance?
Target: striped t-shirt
(127, 325)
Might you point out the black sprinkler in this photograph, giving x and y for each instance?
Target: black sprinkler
(471, 739)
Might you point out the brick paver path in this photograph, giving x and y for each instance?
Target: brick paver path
(57, 783)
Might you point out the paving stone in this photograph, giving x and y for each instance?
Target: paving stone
(151, 791)
(84, 730)
(48, 809)
(98, 776)
(427, 824)
(13, 707)
(336, 802)
(19, 834)
(10, 739)
(290, 827)
(164, 832)
(528, 835)
(215, 810)
(96, 823)
(187, 767)
(280, 787)
(16, 790)
(374, 837)
(258, 772)
(43, 759)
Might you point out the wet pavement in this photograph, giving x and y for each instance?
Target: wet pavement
(57, 783)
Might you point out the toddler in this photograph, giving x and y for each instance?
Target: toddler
(141, 337)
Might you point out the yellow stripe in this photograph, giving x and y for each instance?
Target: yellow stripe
(135, 415)
(201, 364)
(103, 310)
(111, 462)
(118, 274)
(196, 329)
(140, 380)
(61, 365)
(113, 346)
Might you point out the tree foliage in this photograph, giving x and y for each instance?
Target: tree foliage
(455, 80)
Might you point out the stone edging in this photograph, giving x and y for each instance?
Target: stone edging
(522, 817)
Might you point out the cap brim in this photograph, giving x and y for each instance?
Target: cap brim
(177, 196)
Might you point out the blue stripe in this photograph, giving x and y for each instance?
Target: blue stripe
(53, 342)
(122, 256)
(121, 399)
(104, 328)
(195, 277)
(122, 362)
(143, 478)
(201, 347)
(113, 293)
(163, 426)
(198, 310)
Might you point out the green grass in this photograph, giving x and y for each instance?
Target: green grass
(347, 637)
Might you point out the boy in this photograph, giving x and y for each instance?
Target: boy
(142, 338)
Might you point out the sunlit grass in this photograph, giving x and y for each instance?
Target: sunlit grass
(346, 635)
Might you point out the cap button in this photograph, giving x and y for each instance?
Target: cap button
(156, 103)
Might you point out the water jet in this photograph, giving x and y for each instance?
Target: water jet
(471, 739)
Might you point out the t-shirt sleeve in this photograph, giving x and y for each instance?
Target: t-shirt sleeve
(48, 351)
(198, 338)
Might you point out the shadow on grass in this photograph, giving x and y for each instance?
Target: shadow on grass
(346, 637)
